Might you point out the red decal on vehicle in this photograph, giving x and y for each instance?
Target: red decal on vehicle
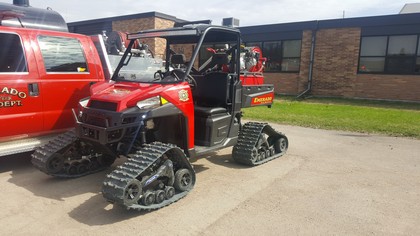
(263, 99)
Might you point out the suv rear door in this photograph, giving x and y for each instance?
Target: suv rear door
(20, 103)
(68, 64)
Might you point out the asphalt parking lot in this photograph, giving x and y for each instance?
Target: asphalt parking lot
(329, 182)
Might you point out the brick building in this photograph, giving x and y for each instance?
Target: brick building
(129, 23)
(369, 57)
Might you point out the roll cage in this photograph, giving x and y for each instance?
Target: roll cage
(198, 35)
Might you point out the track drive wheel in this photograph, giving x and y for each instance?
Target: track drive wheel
(55, 163)
(183, 180)
(169, 192)
(148, 198)
(281, 145)
(160, 196)
(132, 192)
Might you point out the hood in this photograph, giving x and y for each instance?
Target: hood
(118, 96)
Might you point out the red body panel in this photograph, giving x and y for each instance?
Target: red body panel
(127, 94)
(252, 79)
(50, 111)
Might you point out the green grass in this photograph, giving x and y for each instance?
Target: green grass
(391, 118)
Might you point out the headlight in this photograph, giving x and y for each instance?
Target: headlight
(83, 102)
(149, 103)
(82, 105)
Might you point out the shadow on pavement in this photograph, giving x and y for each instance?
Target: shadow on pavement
(15, 162)
(97, 211)
(24, 175)
(225, 160)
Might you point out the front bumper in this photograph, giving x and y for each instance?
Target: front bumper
(106, 127)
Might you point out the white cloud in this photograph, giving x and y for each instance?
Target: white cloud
(249, 12)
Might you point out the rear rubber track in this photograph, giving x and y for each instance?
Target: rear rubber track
(248, 150)
(43, 156)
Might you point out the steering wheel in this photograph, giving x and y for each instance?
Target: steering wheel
(191, 81)
(158, 75)
(177, 73)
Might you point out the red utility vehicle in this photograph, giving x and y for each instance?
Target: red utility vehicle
(160, 118)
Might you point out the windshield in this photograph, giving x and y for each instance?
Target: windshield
(138, 69)
(153, 66)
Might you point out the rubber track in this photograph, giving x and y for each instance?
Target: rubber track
(247, 140)
(115, 183)
(43, 153)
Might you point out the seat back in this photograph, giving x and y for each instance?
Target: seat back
(178, 59)
(220, 59)
(212, 89)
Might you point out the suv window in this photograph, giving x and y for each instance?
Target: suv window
(62, 54)
(12, 58)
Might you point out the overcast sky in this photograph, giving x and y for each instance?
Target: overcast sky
(248, 12)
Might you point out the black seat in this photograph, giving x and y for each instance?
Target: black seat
(178, 59)
(215, 63)
(219, 59)
(212, 90)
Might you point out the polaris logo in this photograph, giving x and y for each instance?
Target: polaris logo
(149, 181)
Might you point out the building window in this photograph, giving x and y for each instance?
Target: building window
(12, 58)
(272, 51)
(291, 55)
(372, 54)
(282, 56)
(62, 54)
(390, 54)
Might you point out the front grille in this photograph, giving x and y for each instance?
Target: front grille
(90, 133)
(129, 120)
(109, 106)
(95, 120)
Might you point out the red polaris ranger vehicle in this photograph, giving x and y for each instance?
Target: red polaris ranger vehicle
(159, 119)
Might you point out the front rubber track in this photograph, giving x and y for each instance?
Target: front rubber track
(138, 165)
